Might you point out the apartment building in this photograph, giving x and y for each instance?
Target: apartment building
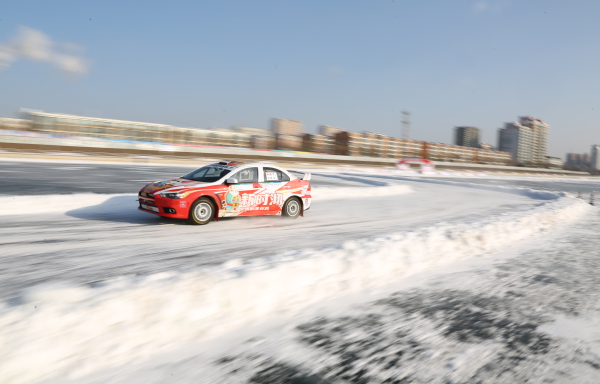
(108, 129)
(287, 127)
(554, 162)
(540, 137)
(288, 134)
(318, 143)
(260, 138)
(595, 158)
(253, 131)
(12, 124)
(579, 160)
(516, 140)
(526, 140)
(466, 136)
(328, 130)
(376, 145)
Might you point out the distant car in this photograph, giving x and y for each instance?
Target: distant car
(228, 188)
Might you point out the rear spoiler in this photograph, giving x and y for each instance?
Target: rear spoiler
(301, 175)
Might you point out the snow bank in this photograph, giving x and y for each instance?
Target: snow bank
(72, 331)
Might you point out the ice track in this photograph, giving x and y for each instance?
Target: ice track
(229, 274)
(86, 238)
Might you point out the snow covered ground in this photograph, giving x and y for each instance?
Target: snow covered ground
(85, 238)
(387, 278)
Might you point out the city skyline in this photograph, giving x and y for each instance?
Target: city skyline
(287, 129)
(349, 65)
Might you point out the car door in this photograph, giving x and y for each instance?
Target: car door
(241, 198)
(273, 180)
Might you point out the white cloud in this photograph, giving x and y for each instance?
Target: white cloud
(35, 45)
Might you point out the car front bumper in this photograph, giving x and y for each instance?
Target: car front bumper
(174, 208)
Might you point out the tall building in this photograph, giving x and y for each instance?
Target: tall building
(287, 127)
(526, 140)
(516, 140)
(595, 160)
(466, 136)
(540, 137)
(328, 130)
(579, 160)
(288, 134)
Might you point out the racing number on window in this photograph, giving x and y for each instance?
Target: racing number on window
(271, 176)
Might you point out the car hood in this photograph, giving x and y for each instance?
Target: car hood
(174, 185)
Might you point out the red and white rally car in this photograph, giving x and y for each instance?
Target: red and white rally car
(228, 188)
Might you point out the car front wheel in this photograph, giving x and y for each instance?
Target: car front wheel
(201, 212)
(292, 208)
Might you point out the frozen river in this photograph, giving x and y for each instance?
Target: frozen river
(387, 279)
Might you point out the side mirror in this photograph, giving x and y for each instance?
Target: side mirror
(231, 181)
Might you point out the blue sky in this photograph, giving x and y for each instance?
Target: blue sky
(352, 64)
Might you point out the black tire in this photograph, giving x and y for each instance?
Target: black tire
(292, 208)
(202, 211)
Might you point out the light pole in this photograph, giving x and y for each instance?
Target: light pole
(406, 125)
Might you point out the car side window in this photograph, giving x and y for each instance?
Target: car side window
(272, 175)
(248, 175)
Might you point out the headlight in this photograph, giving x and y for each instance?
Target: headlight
(172, 195)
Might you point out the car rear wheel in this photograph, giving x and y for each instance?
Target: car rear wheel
(292, 208)
(202, 211)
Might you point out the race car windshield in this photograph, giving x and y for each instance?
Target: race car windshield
(207, 174)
